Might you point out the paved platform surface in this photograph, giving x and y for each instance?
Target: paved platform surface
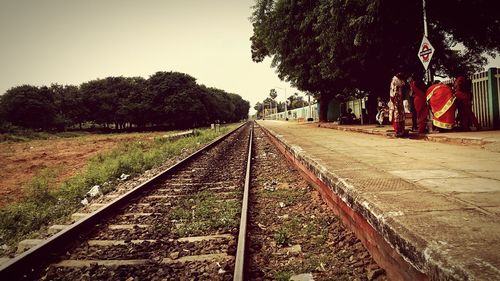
(441, 200)
(486, 139)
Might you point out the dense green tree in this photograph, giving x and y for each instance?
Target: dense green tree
(160, 90)
(170, 99)
(69, 105)
(241, 108)
(295, 101)
(344, 48)
(259, 108)
(100, 103)
(136, 102)
(28, 106)
(185, 109)
(116, 100)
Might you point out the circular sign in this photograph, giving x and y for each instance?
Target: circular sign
(425, 52)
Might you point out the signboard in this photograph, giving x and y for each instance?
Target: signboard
(425, 52)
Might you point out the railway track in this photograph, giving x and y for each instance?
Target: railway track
(181, 225)
(189, 223)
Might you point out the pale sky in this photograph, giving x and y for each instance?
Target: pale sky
(74, 41)
(70, 42)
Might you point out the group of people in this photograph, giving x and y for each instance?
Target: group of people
(441, 98)
(348, 118)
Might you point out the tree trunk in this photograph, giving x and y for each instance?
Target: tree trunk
(371, 108)
(324, 100)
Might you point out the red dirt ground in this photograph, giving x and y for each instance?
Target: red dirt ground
(20, 162)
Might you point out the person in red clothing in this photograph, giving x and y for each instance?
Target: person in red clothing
(464, 104)
(418, 88)
(442, 101)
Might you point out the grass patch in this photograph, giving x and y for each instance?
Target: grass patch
(282, 237)
(28, 135)
(287, 196)
(45, 204)
(283, 276)
(206, 212)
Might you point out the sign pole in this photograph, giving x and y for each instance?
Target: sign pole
(428, 72)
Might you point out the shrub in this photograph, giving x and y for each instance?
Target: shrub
(45, 204)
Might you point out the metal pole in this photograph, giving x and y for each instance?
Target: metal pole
(425, 19)
(276, 112)
(428, 71)
(286, 111)
(309, 103)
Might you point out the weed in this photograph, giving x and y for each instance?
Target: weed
(44, 205)
(180, 213)
(287, 196)
(282, 237)
(344, 254)
(22, 135)
(206, 213)
(40, 205)
(283, 276)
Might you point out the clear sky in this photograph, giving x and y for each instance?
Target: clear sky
(74, 41)
(70, 42)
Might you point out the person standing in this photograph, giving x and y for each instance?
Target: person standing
(442, 101)
(381, 109)
(418, 88)
(464, 104)
(411, 104)
(396, 98)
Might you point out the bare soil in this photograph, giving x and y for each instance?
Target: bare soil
(20, 162)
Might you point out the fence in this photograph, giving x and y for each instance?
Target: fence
(302, 113)
(485, 93)
(485, 90)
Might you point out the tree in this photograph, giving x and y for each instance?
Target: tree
(69, 106)
(273, 94)
(343, 48)
(135, 104)
(241, 108)
(186, 109)
(169, 99)
(160, 88)
(101, 103)
(28, 106)
(259, 108)
(295, 101)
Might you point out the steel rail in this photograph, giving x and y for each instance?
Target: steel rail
(240, 252)
(30, 262)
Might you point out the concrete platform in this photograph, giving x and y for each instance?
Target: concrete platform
(425, 210)
(489, 140)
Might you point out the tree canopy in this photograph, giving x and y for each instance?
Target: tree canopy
(342, 48)
(167, 99)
